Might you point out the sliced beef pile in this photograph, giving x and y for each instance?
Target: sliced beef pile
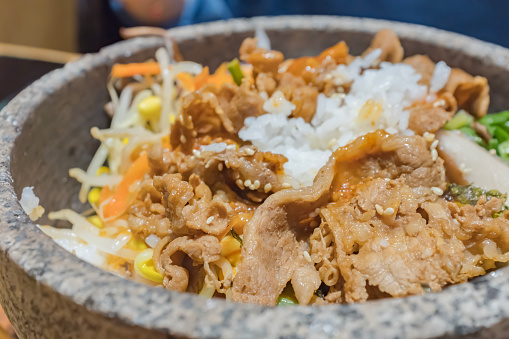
(372, 225)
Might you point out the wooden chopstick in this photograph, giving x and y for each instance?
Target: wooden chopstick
(36, 53)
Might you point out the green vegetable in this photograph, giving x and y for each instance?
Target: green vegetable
(235, 71)
(285, 301)
(503, 151)
(493, 144)
(287, 297)
(237, 237)
(426, 288)
(495, 119)
(500, 134)
(469, 131)
(497, 125)
(461, 119)
(470, 194)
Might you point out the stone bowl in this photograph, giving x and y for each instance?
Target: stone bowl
(49, 293)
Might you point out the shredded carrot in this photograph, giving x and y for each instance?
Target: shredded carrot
(119, 198)
(338, 52)
(186, 80)
(129, 70)
(201, 79)
(306, 66)
(221, 76)
(105, 194)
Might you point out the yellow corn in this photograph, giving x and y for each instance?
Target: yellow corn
(144, 266)
(172, 118)
(150, 108)
(234, 259)
(229, 245)
(93, 195)
(96, 221)
(137, 244)
(125, 141)
(102, 170)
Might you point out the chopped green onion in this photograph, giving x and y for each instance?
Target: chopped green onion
(501, 134)
(493, 144)
(461, 119)
(503, 151)
(469, 131)
(470, 194)
(287, 297)
(495, 119)
(285, 301)
(236, 236)
(236, 71)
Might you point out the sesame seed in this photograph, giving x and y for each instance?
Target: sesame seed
(252, 187)
(227, 163)
(210, 220)
(267, 188)
(183, 139)
(249, 151)
(434, 144)
(231, 147)
(313, 223)
(286, 185)
(464, 169)
(196, 153)
(379, 209)
(256, 184)
(240, 183)
(434, 154)
(437, 190)
(438, 103)
(220, 166)
(307, 256)
(247, 183)
(317, 211)
(389, 211)
(429, 137)
(312, 214)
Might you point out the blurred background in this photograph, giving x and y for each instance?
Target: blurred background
(37, 36)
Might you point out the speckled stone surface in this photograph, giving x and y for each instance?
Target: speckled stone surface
(49, 293)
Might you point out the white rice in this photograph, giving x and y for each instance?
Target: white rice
(440, 76)
(378, 99)
(30, 203)
(214, 147)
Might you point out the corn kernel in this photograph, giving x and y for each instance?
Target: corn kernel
(137, 244)
(150, 108)
(96, 221)
(144, 266)
(229, 245)
(172, 118)
(234, 259)
(125, 141)
(102, 170)
(93, 195)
